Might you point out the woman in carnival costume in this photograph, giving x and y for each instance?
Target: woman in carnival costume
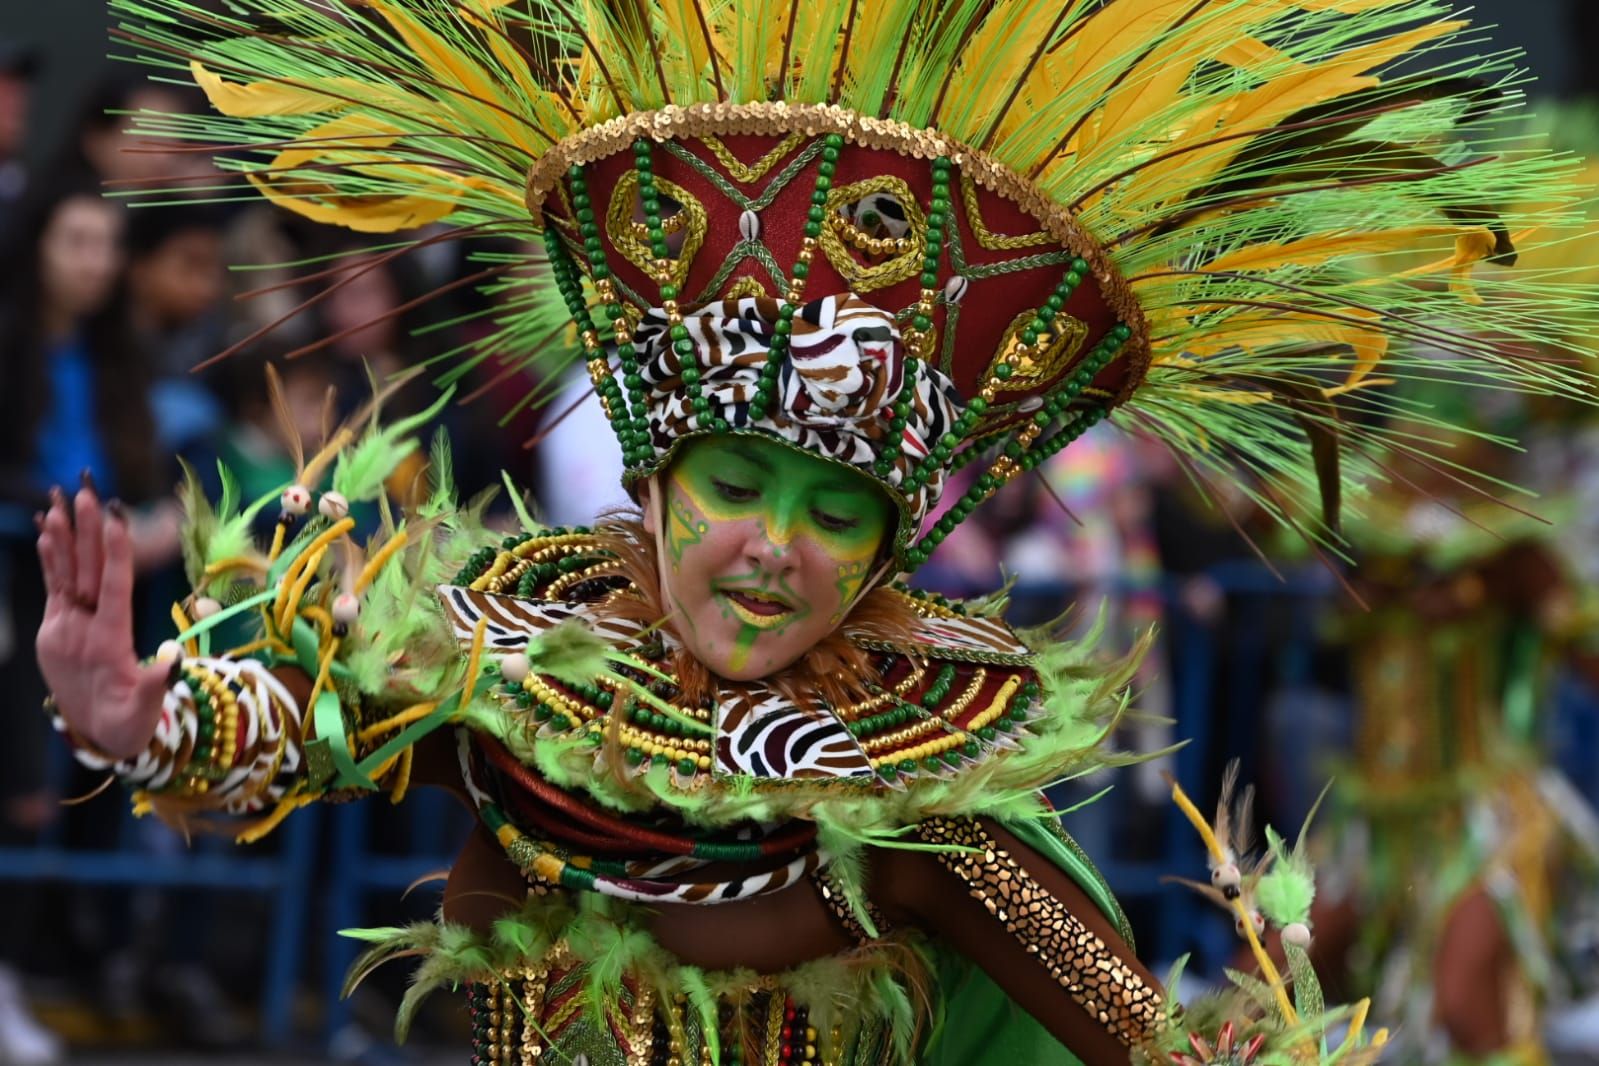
(744, 796)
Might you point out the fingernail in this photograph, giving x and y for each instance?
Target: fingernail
(87, 479)
(56, 495)
(116, 510)
(38, 520)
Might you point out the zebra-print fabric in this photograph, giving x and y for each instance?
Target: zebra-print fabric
(771, 737)
(513, 622)
(836, 389)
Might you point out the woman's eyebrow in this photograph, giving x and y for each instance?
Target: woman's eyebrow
(752, 457)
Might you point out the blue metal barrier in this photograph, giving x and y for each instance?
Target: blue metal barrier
(436, 827)
(285, 877)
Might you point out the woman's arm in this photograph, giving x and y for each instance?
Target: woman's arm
(1028, 925)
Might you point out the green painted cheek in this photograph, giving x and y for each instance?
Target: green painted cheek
(743, 644)
(851, 576)
(684, 528)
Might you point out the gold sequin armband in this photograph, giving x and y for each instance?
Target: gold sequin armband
(229, 731)
(1097, 979)
(838, 903)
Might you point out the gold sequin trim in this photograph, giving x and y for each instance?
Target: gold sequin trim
(1097, 979)
(698, 121)
(1034, 364)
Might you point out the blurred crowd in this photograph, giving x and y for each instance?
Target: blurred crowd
(110, 317)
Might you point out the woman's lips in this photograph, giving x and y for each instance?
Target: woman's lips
(757, 609)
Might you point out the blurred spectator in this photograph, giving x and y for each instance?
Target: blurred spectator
(71, 402)
(579, 460)
(176, 278)
(381, 318)
(105, 145)
(18, 65)
(252, 446)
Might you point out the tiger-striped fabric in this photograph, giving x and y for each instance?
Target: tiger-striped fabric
(836, 387)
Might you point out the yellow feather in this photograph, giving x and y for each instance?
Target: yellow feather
(1254, 331)
(818, 38)
(263, 98)
(1471, 248)
(483, 97)
(688, 55)
(1323, 248)
(877, 38)
(1251, 54)
(539, 102)
(363, 138)
(1202, 151)
(992, 62)
(1156, 83)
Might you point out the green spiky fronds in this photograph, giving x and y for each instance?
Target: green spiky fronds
(1300, 225)
(605, 939)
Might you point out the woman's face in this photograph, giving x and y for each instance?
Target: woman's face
(80, 255)
(766, 550)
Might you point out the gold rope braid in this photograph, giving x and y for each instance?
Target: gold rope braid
(619, 226)
(995, 242)
(744, 173)
(905, 263)
(1079, 961)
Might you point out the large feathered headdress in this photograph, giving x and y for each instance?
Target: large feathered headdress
(912, 235)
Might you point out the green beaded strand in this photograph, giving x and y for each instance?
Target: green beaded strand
(1043, 322)
(636, 448)
(921, 323)
(569, 283)
(677, 333)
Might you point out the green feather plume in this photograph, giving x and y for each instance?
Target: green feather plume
(1286, 891)
(363, 468)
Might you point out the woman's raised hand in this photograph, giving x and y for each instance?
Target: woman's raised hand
(85, 645)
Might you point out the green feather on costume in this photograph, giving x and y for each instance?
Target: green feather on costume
(1286, 891)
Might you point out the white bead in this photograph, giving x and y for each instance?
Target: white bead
(1297, 934)
(1226, 876)
(749, 225)
(955, 289)
(333, 505)
(1255, 919)
(205, 607)
(296, 499)
(169, 652)
(514, 667)
(346, 608)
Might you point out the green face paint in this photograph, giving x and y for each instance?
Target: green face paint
(769, 548)
(790, 493)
